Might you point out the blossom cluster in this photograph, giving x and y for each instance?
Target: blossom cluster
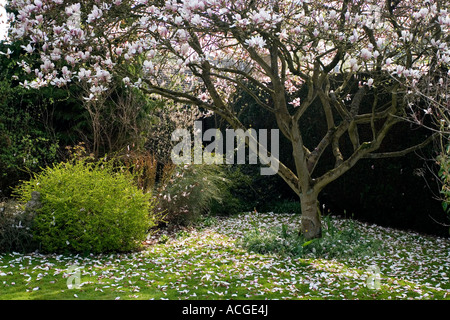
(179, 37)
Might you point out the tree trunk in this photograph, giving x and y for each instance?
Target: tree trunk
(311, 222)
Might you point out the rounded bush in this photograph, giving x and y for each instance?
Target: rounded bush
(88, 207)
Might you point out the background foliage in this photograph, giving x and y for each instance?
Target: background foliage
(15, 228)
(26, 142)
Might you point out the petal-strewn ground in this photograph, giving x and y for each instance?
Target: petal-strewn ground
(210, 263)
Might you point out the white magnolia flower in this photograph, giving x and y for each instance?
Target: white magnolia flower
(55, 54)
(353, 64)
(196, 20)
(148, 67)
(66, 72)
(47, 65)
(98, 89)
(28, 48)
(332, 14)
(399, 70)
(7, 53)
(366, 54)
(73, 9)
(126, 80)
(83, 73)
(256, 41)
(423, 12)
(380, 42)
(108, 63)
(184, 49)
(84, 55)
(103, 75)
(70, 60)
(376, 54)
(91, 97)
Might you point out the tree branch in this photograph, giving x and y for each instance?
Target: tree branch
(403, 152)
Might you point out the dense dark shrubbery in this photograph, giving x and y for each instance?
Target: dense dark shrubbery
(16, 228)
(443, 161)
(284, 206)
(88, 207)
(34, 124)
(402, 194)
(25, 143)
(236, 194)
(248, 190)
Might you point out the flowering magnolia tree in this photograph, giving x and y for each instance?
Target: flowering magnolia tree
(357, 58)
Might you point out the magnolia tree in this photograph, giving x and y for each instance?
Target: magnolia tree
(358, 59)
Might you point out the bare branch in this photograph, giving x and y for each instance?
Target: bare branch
(403, 152)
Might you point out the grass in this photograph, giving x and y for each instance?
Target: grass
(212, 263)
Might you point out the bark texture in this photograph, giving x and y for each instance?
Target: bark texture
(311, 226)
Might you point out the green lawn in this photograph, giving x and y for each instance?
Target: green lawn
(209, 263)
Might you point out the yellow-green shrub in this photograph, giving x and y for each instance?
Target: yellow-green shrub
(88, 207)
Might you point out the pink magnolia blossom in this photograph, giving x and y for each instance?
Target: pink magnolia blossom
(204, 97)
(184, 49)
(366, 54)
(94, 15)
(84, 74)
(47, 65)
(103, 75)
(148, 67)
(353, 64)
(296, 102)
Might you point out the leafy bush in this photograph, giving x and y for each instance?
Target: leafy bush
(444, 174)
(88, 207)
(34, 124)
(15, 228)
(237, 195)
(343, 242)
(185, 192)
(285, 206)
(25, 145)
